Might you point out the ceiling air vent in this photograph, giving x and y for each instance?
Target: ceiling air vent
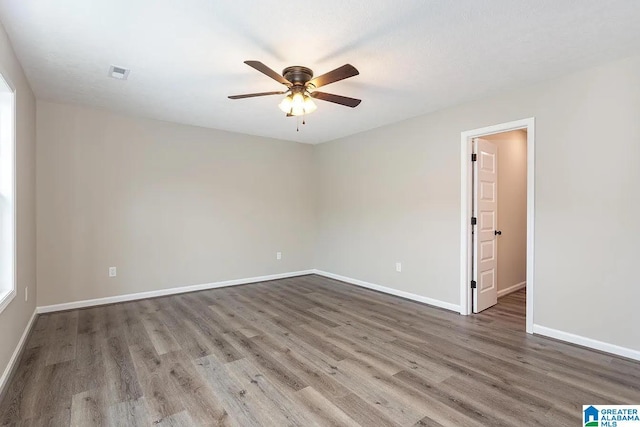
(118, 72)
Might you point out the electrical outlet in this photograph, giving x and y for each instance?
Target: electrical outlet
(278, 255)
(399, 267)
(26, 293)
(112, 272)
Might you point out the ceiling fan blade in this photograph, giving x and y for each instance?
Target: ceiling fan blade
(268, 71)
(342, 100)
(338, 74)
(251, 95)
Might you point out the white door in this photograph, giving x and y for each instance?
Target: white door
(485, 209)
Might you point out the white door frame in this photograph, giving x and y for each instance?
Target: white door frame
(465, 210)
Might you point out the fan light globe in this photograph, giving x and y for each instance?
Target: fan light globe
(297, 104)
(285, 105)
(309, 105)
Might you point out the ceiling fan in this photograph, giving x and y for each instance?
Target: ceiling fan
(301, 87)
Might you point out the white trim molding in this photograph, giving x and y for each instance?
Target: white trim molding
(587, 342)
(6, 298)
(164, 292)
(15, 357)
(512, 289)
(8, 168)
(465, 210)
(390, 291)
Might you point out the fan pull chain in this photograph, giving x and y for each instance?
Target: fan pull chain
(304, 122)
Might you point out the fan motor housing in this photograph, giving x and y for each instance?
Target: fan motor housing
(297, 75)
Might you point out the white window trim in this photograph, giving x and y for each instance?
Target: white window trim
(8, 295)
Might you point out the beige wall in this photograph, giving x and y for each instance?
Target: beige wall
(168, 205)
(512, 207)
(393, 194)
(16, 315)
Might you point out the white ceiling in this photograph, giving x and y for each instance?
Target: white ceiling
(414, 56)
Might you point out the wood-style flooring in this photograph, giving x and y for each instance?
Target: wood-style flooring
(302, 352)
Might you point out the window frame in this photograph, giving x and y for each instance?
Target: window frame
(7, 295)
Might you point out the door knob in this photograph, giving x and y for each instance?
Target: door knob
(497, 233)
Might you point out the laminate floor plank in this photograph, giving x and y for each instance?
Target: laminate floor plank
(181, 419)
(307, 369)
(458, 404)
(197, 397)
(364, 327)
(211, 327)
(55, 393)
(190, 338)
(304, 351)
(89, 408)
(113, 319)
(272, 367)
(434, 411)
(274, 404)
(62, 341)
(42, 330)
(358, 351)
(322, 410)
(90, 369)
(301, 308)
(52, 419)
(161, 337)
(392, 403)
(20, 398)
(121, 378)
(282, 342)
(403, 358)
(130, 413)
(230, 316)
(156, 385)
(88, 321)
(240, 409)
(360, 411)
(246, 319)
(264, 311)
(316, 342)
(514, 410)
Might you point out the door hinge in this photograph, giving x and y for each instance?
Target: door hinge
(474, 157)
(474, 220)
(473, 284)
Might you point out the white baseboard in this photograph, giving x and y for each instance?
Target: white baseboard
(391, 291)
(164, 292)
(512, 289)
(15, 357)
(587, 342)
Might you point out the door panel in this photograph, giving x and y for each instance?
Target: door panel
(487, 251)
(485, 209)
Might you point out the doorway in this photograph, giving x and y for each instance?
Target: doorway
(480, 232)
